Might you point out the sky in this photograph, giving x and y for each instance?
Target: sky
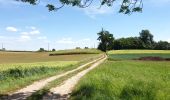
(27, 27)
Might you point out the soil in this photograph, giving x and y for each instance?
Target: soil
(150, 58)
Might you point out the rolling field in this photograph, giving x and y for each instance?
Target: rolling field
(30, 57)
(76, 51)
(126, 80)
(139, 52)
(19, 69)
(135, 54)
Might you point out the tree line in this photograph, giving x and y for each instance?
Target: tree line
(145, 40)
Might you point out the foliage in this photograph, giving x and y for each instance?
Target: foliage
(127, 43)
(144, 41)
(125, 80)
(106, 40)
(162, 45)
(86, 47)
(147, 39)
(127, 6)
(41, 50)
(53, 50)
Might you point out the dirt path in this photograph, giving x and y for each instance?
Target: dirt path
(22, 94)
(62, 92)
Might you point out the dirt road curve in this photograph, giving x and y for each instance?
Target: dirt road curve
(62, 92)
(22, 94)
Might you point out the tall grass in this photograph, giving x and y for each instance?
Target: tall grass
(13, 77)
(125, 80)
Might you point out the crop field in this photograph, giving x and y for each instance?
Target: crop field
(135, 54)
(15, 76)
(126, 80)
(19, 69)
(29, 57)
(75, 51)
(139, 52)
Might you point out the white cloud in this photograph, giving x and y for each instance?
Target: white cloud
(66, 41)
(11, 29)
(25, 33)
(24, 38)
(35, 32)
(93, 11)
(2, 37)
(31, 27)
(42, 37)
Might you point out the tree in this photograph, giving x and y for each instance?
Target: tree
(128, 43)
(41, 50)
(147, 39)
(53, 49)
(162, 45)
(106, 40)
(86, 47)
(127, 6)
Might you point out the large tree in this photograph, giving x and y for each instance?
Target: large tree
(106, 40)
(147, 39)
(126, 7)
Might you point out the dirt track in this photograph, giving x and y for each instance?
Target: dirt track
(62, 92)
(22, 94)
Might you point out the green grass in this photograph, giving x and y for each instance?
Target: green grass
(15, 76)
(135, 56)
(139, 52)
(125, 80)
(75, 51)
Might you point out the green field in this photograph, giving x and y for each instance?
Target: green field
(139, 52)
(19, 69)
(135, 54)
(126, 79)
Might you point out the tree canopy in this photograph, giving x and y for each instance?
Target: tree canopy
(126, 7)
(143, 41)
(106, 40)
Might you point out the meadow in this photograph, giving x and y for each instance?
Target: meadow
(19, 69)
(126, 80)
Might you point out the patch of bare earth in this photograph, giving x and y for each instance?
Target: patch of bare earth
(150, 58)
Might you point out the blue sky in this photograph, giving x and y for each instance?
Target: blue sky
(27, 27)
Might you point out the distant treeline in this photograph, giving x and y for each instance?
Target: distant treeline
(143, 41)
